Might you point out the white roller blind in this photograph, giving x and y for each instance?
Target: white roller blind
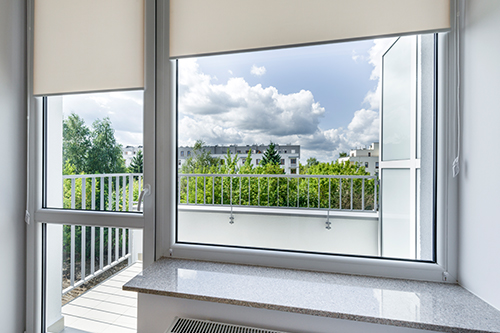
(217, 26)
(88, 45)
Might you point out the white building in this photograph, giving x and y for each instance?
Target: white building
(290, 154)
(129, 152)
(367, 157)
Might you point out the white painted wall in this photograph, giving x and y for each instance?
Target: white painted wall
(348, 235)
(479, 186)
(12, 164)
(156, 313)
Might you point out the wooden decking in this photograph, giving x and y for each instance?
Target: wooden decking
(105, 308)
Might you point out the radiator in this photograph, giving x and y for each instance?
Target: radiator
(187, 325)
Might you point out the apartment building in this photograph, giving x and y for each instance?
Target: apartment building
(290, 154)
(367, 157)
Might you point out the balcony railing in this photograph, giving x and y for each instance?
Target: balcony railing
(85, 263)
(327, 192)
(112, 192)
(108, 246)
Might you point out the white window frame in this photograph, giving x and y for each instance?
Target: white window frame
(445, 267)
(40, 215)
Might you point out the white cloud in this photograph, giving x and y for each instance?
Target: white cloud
(258, 71)
(375, 53)
(237, 113)
(230, 71)
(124, 109)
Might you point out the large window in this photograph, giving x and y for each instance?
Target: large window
(316, 120)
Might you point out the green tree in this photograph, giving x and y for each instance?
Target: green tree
(105, 154)
(343, 154)
(271, 156)
(76, 143)
(312, 161)
(137, 163)
(201, 161)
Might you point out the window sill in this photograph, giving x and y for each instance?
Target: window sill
(401, 303)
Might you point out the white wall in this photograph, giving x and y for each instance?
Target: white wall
(348, 235)
(479, 183)
(12, 164)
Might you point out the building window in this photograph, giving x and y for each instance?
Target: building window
(293, 171)
(293, 151)
(182, 152)
(257, 161)
(188, 153)
(293, 161)
(369, 154)
(282, 161)
(366, 164)
(376, 165)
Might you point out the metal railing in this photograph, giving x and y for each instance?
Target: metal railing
(114, 246)
(104, 192)
(329, 192)
(112, 192)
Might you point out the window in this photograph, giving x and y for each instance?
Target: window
(282, 161)
(188, 153)
(293, 151)
(300, 186)
(182, 152)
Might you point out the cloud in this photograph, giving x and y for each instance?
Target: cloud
(238, 113)
(258, 71)
(375, 53)
(124, 109)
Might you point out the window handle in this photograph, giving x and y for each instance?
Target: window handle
(146, 191)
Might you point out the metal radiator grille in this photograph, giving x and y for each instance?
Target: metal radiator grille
(186, 325)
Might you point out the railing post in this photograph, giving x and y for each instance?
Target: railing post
(83, 254)
(102, 193)
(110, 193)
(84, 193)
(130, 192)
(117, 195)
(92, 204)
(101, 248)
(72, 256)
(92, 250)
(73, 193)
(117, 240)
(110, 240)
(124, 194)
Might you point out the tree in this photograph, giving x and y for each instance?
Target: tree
(137, 163)
(271, 156)
(105, 154)
(343, 154)
(312, 161)
(76, 143)
(201, 161)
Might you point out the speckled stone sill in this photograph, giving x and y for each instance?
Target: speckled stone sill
(403, 303)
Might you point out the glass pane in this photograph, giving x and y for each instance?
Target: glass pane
(398, 96)
(94, 158)
(70, 295)
(398, 226)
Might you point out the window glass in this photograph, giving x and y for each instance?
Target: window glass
(94, 152)
(318, 107)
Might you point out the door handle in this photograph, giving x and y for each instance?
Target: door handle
(146, 191)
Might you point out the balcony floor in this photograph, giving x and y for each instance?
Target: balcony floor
(105, 308)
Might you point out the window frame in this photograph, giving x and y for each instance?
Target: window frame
(443, 269)
(38, 215)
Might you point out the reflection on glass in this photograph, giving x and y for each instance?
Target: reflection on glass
(398, 98)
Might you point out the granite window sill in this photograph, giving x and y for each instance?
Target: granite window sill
(403, 303)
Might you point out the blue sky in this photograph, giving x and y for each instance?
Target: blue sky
(324, 97)
(338, 82)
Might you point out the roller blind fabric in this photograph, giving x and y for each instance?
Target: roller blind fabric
(217, 26)
(88, 45)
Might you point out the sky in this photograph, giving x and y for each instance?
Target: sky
(325, 98)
